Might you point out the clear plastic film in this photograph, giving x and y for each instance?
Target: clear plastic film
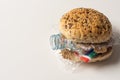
(58, 43)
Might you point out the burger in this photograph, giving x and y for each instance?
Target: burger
(85, 35)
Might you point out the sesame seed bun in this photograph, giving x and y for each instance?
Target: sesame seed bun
(85, 25)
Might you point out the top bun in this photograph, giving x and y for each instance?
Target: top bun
(85, 25)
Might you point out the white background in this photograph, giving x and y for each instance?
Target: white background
(25, 27)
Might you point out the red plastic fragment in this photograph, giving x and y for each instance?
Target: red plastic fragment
(76, 53)
(84, 59)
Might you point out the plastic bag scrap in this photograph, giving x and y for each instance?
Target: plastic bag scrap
(58, 42)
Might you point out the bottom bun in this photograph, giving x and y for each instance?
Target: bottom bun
(67, 54)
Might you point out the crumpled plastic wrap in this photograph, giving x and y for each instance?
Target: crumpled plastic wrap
(73, 66)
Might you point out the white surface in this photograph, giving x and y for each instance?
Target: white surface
(25, 27)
